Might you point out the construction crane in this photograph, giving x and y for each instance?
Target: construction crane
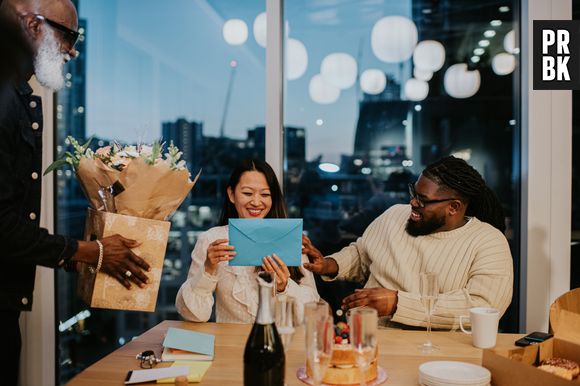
(233, 66)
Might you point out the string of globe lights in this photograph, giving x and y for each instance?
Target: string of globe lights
(394, 39)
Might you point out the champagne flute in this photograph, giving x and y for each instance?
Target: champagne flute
(316, 309)
(319, 339)
(285, 318)
(429, 290)
(363, 323)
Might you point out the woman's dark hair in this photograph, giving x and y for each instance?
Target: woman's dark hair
(456, 174)
(278, 209)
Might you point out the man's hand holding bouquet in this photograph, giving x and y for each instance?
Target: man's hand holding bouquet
(132, 190)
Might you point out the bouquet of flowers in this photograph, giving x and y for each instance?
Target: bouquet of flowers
(132, 191)
(150, 183)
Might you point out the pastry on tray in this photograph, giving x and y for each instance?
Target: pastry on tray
(561, 367)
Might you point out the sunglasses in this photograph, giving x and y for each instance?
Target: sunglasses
(421, 202)
(70, 36)
(148, 359)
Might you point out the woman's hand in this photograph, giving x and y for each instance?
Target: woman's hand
(218, 251)
(277, 266)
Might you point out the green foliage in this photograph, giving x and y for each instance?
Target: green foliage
(73, 159)
(117, 156)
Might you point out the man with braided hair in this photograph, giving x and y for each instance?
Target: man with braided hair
(453, 226)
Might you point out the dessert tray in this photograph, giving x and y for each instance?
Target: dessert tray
(380, 379)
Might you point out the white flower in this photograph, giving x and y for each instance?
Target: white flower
(129, 151)
(145, 150)
(118, 160)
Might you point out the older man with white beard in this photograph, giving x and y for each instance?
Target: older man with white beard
(50, 26)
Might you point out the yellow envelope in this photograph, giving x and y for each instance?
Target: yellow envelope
(196, 371)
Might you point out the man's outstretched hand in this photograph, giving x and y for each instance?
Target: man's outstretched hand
(317, 263)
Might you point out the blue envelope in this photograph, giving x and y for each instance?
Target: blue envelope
(255, 239)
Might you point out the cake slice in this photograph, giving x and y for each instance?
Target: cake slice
(561, 367)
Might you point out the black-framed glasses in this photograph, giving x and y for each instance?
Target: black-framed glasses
(421, 202)
(148, 359)
(70, 36)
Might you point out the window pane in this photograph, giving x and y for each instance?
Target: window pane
(372, 117)
(146, 71)
(575, 242)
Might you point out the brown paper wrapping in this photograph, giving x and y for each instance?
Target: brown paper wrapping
(92, 174)
(104, 291)
(151, 191)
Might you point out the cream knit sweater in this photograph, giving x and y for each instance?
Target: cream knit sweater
(474, 264)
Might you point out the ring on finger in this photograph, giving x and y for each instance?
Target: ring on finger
(128, 273)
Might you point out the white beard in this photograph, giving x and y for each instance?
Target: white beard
(49, 63)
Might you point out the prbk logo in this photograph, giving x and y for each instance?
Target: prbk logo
(556, 54)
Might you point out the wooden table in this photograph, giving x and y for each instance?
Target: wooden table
(398, 354)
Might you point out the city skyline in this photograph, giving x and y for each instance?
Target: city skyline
(139, 76)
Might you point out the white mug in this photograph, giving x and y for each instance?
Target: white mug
(484, 322)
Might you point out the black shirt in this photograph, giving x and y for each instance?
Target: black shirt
(23, 243)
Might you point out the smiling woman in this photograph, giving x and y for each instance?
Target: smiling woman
(251, 196)
(252, 192)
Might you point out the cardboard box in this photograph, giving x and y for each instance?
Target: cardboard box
(565, 316)
(517, 367)
(104, 291)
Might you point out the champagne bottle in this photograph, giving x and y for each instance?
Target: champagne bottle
(264, 361)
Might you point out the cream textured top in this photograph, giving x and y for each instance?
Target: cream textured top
(474, 264)
(236, 288)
